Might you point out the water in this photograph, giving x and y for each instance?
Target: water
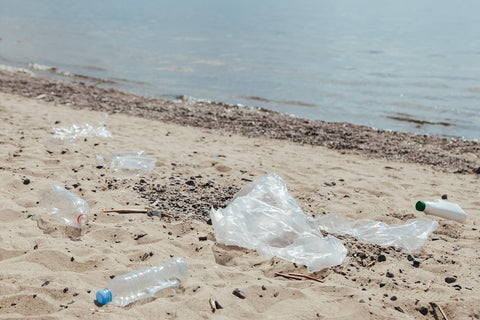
(402, 65)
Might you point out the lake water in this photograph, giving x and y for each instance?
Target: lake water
(401, 65)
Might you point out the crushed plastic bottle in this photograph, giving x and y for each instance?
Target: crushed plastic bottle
(66, 206)
(442, 208)
(132, 162)
(144, 283)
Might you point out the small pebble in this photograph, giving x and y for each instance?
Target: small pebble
(382, 284)
(394, 298)
(381, 258)
(238, 293)
(444, 197)
(389, 274)
(26, 181)
(457, 287)
(423, 310)
(450, 279)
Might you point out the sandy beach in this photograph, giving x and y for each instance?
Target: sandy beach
(206, 152)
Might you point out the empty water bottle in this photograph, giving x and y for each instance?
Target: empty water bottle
(66, 206)
(144, 283)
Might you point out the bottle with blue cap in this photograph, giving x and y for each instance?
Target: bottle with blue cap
(144, 283)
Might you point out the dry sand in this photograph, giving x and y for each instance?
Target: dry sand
(52, 272)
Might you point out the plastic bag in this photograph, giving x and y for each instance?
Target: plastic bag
(263, 216)
(410, 236)
(74, 132)
(132, 162)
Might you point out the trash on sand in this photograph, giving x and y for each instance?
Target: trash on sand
(66, 206)
(263, 216)
(410, 236)
(443, 209)
(74, 132)
(132, 162)
(149, 211)
(143, 283)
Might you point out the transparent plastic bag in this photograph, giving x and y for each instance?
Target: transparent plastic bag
(410, 236)
(263, 216)
(74, 132)
(132, 162)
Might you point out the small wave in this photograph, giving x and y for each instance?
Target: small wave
(63, 73)
(289, 102)
(15, 70)
(408, 118)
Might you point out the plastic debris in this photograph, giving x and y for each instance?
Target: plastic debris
(263, 216)
(132, 162)
(442, 208)
(74, 132)
(410, 236)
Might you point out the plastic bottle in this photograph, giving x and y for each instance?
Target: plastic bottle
(442, 208)
(144, 283)
(66, 206)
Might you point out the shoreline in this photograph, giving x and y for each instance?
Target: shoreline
(200, 167)
(447, 154)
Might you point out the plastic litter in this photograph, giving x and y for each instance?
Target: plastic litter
(410, 236)
(74, 132)
(132, 162)
(144, 283)
(443, 209)
(70, 209)
(263, 216)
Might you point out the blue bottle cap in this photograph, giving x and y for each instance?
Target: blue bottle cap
(104, 296)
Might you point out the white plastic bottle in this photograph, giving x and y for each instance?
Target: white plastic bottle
(66, 206)
(144, 283)
(443, 209)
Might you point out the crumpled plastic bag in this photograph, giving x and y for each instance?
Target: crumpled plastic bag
(410, 236)
(263, 216)
(74, 132)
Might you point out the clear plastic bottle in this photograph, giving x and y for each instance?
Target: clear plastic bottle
(66, 206)
(443, 209)
(144, 283)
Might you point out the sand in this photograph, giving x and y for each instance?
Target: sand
(50, 271)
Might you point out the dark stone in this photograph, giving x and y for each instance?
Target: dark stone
(450, 279)
(444, 197)
(238, 293)
(423, 310)
(416, 263)
(26, 181)
(381, 258)
(389, 274)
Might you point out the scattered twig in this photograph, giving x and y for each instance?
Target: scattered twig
(306, 277)
(149, 211)
(436, 307)
(287, 276)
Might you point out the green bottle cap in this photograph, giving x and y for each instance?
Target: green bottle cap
(420, 206)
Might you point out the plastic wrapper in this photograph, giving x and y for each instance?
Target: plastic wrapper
(74, 132)
(410, 236)
(132, 162)
(263, 216)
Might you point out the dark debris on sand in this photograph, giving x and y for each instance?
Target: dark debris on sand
(448, 154)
